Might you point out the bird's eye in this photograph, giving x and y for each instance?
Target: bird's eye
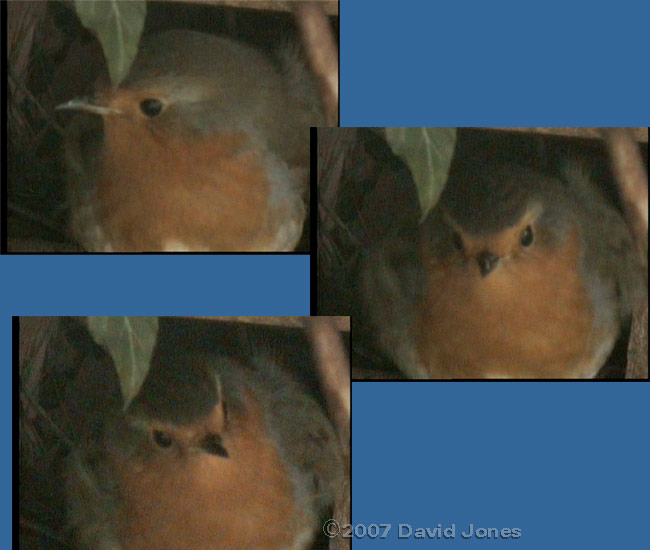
(457, 241)
(162, 439)
(151, 107)
(526, 238)
(212, 444)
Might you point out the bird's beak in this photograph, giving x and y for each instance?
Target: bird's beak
(89, 105)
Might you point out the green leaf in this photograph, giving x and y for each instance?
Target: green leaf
(427, 152)
(130, 341)
(118, 26)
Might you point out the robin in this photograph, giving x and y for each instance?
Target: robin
(211, 454)
(203, 147)
(514, 274)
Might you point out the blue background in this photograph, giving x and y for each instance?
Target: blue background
(567, 462)
(494, 63)
(155, 285)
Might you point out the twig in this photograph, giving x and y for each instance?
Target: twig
(322, 53)
(637, 351)
(333, 365)
(334, 368)
(632, 182)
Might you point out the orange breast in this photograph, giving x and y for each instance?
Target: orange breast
(157, 190)
(202, 501)
(530, 318)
